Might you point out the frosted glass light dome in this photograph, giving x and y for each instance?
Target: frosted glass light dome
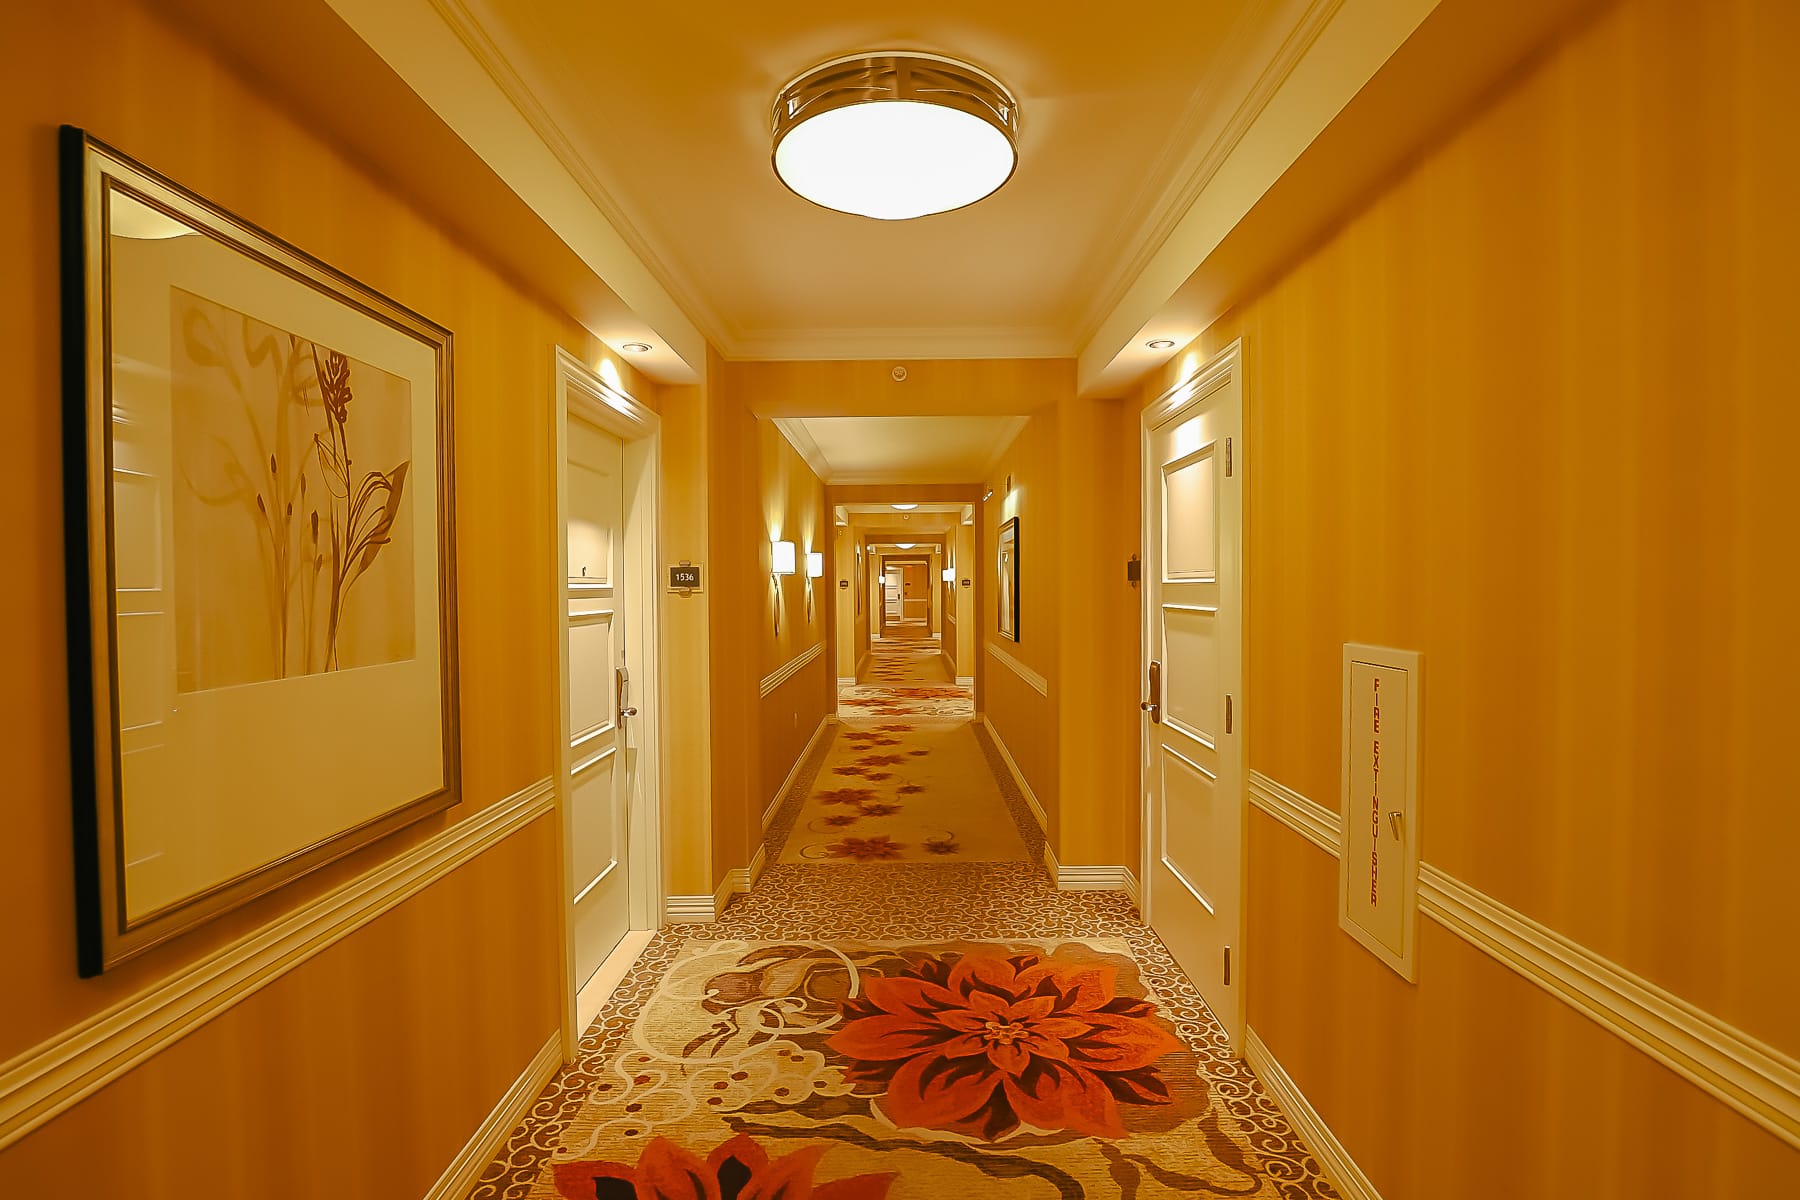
(895, 137)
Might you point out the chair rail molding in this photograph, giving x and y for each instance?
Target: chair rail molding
(791, 668)
(1038, 683)
(45, 1081)
(1754, 1078)
(1317, 824)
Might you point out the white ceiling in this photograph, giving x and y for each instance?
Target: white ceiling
(665, 109)
(638, 135)
(901, 450)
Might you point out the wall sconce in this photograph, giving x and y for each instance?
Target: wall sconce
(784, 558)
(949, 574)
(815, 563)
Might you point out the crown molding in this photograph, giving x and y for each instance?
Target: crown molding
(528, 95)
(1004, 444)
(958, 342)
(801, 439)
(1157, 214)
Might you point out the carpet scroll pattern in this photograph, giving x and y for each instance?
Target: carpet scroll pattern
(885, 1018)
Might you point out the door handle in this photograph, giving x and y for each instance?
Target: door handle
(622, 680)
(1153, 705)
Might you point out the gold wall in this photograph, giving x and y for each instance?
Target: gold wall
(340, 1069)
(1025, 720)
(792, 504)
(1530, 414)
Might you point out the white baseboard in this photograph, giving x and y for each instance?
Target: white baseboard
(49, 1079)
(967, 681)
(1083, 878)
(692, 910)
(1131, 889)
(1012, 764)
(774, 805)
(1340, 1168)
(846, 681)
(466, 1168)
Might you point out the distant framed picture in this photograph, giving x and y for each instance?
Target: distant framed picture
(1008, 576)
(260, 548)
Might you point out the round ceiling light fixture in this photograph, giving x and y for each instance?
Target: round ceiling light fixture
(905, 507)
(636, 347)
(1161, 344)
(895, 136)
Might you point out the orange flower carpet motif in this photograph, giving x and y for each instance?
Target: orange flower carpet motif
(872, 1071)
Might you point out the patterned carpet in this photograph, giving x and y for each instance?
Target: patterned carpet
(906, 1031)
(906, 678)
(905, 791)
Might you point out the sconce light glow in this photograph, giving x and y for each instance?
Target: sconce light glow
(949, 574)
(784, 558)
(815, 563)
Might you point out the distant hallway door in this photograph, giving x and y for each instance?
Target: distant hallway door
(1193, 745)
(595, 693)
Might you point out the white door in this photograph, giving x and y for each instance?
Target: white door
(598, 789)
(1194, 764)
(896, 582)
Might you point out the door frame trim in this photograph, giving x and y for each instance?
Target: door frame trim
(580, 390)
(1223, 369)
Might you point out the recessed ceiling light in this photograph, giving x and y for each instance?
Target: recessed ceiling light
(895, 136)
(905, 507)
(1161, 344)
(636, 347)
(906, 545)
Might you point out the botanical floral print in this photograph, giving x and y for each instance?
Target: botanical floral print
(942, 845)
(738, 1170)
(866, 849)
(981, 1045)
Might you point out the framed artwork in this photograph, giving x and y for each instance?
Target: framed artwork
(1008, 576)
(260, 548)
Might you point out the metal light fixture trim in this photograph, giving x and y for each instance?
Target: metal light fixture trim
(884, 93)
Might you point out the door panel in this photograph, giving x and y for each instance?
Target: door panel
(592, 652)
(1191, 541)
(1194, 772)
(1191, 671)
(1190, 819)
(590, 797)
(597, 785)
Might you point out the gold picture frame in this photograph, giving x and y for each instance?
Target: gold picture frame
(259, 519)
(1006, 572)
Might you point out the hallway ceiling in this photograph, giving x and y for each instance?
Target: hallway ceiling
(662, 110)
(901, 450)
